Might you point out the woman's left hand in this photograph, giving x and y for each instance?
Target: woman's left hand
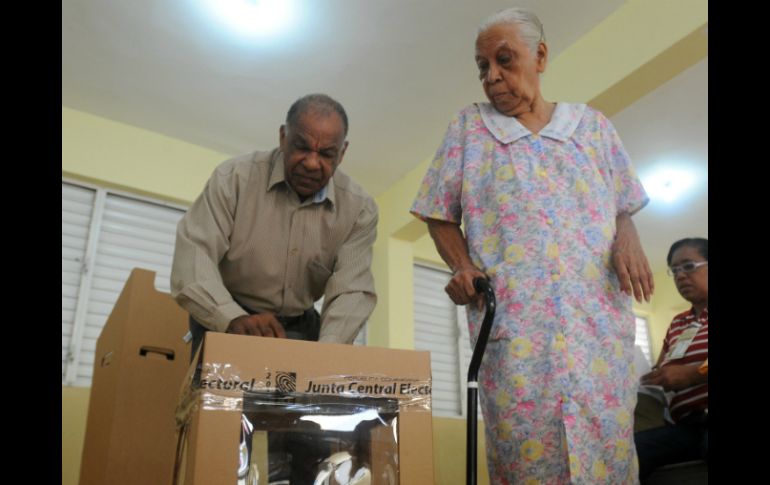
(630, 262)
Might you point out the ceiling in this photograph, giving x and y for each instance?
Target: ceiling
(669, 128)
(401, 68)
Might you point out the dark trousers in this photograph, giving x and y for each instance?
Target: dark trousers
(674, 443)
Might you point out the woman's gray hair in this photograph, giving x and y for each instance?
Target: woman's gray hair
(530, 27)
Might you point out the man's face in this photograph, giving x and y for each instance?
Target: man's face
(312, 150)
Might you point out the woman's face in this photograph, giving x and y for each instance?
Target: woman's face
(508, 70)
(693, 286)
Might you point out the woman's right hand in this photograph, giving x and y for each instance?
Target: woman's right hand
(453, 248)
(460, 288)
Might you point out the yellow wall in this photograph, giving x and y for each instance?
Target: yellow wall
(425, 251)
(74, 410)
(449, 452)
(640, 46)
(633, 51)
(117, 155)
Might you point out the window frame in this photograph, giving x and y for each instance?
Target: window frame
(74, 349)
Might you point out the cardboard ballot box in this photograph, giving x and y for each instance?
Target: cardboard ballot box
(141, 361)
(299, 437)
(259, 410)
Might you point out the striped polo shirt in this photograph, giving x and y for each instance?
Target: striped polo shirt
(694, 398)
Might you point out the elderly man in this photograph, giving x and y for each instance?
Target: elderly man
(274, 231)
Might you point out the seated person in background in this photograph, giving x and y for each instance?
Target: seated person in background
(682, 367)
(650, 400)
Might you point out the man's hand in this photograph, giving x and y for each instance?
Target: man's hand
(460, 288)
(675, 377)
(260, 324)
(630, 262)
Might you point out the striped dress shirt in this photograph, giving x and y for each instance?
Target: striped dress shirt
(249, 239)
(694, 398)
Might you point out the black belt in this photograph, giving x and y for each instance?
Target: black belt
(290, 320)
(305, 326)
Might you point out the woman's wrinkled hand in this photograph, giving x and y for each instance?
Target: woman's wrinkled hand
(460, 288)
(630, 262)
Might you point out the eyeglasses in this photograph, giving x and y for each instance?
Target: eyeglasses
(685, 268)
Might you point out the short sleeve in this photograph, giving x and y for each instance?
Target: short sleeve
(439, 195)
(630, 196)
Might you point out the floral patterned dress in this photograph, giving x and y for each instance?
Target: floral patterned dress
(538, 210)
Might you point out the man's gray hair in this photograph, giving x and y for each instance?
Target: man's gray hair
(320, 103)
(530, 27)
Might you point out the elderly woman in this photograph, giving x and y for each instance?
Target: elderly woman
(682, 366)
(545, 192)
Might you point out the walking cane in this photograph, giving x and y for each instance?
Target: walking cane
(482, 286)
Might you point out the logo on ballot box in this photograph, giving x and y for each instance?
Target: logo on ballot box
(286, 381)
